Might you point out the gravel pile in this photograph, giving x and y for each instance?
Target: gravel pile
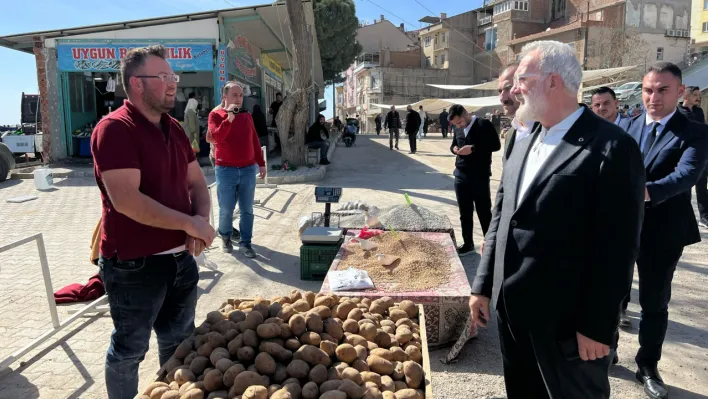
(423, 265)
(403, 218)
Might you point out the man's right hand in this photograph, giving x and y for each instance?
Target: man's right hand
(230, 111)
(201, 229)
(479, 308)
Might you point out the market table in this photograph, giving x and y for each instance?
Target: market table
(446, 307)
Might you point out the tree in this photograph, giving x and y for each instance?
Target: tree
(293, 115)
(615, 47)
(337, 25)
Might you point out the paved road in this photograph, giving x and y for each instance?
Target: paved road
(72, 366)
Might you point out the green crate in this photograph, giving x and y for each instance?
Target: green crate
(315, 260)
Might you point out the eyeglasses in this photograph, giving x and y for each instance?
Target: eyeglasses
(522, 77)
(167, 78)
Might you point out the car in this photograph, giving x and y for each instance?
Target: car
(628, 91)
(7, 161)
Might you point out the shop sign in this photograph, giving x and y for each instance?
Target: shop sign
(222, 72)
(106, 57)
(272, 68)
(243, 55)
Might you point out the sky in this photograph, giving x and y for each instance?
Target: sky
(18, 71)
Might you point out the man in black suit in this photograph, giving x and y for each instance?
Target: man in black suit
(563, 238)
(393, 123)
(691, 107)
(444, 123)
(518, 130)
(675, 151)
(413, 122)
(473, 141)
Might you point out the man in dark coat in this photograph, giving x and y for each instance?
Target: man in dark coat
(413, 122)
(393, 123)
(444, 123)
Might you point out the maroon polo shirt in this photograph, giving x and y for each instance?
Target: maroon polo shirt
(125, 139)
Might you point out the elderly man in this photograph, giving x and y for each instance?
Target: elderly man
(393, 123)
(563, 238)
(519, 129)
(675, 151)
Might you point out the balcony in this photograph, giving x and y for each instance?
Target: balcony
(441, 45)
(484, 20)
(373, 90)
(365, 61)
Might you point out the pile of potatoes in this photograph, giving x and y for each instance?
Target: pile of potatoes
(301, 346)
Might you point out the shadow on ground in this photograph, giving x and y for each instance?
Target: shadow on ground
(624, 373)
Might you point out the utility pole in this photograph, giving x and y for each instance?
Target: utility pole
(587, 31)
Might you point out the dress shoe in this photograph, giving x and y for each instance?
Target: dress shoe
(653, 384)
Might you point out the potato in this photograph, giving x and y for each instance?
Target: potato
(314, 323)
(295, 295)
(205, 349)
(405, 322)
(318, 374)
(408, 394)
(353, 390)
(414, 353)
(409, 307)
(245, 380)
(343, 309)
(278, 352)
(310, 390)
(333, 327)
(267, 331)
(218, 395)
(361, 352)
(286, 313)
(184, 349)
(327, 337)
(291, 381)
(368, 376)
(224, 364)
(397, 314)
(414, 374)
(323, 311)
(312, 355)
(382, 353)
(301, 306)
(371, 345)
(355, 314)
(330, 385)
(189, 358)
(202, 329)
(274, 309)
(387, 384)
(372, 393)
(281, 394)
(360, 365)
(199, 364)
(246, 305)
(328, 347)
(152, 386)
(262, 308)
(366, 301)
(350, 326)
(355, 339)
(399, 355)
(235, 344)
(218, 354)
(403, 335)
(387, 323)
(388, 330)
(255, 392)
(194, 393)
(246, 354)
(298, 369)
(231, 374)
(273, 389)
(328, 301)
(214, 380)
(353, 374)
(281, 374)
(158, 392)
(310, 338)
(377, 307)
(379, 365)
(388, 395)
(368, 331)
(223, 326)
(253, 320)
(173, 394)
(397, 374)
(297, 324)
(265, 363)
(285, 332)
(214, 317)
(382, 339)
(309, 296)
(346, 353)
(190, 386)
(293, 388)
(250, 338)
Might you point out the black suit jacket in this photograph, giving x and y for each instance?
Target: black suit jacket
(563, 256)
(483, 136)
(412, 122)
(673, 166)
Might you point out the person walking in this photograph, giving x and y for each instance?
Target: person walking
(421, 115)
(238, 158)
(377, 121)
(473, 142)
(691, 107)
(155, 212)
(565, 232)
(413, 126)
(444, 122)
(675, 152)
(318, 137)
(393, 123)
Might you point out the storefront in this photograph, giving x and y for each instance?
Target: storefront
(90, 82)
(243, 63)
(272, 79)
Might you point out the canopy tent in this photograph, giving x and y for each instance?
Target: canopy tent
(436, 105)
(588, 76)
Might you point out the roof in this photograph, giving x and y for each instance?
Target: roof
(260, 23)
(697, 75)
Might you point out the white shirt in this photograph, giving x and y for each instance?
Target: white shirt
(542, 148)
(521, 130)
(469, 127)
(647, 126)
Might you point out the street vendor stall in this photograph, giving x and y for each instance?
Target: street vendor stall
(427, 271)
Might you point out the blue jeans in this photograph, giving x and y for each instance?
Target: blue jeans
(230, 183)
(322, 145)
(157, 292)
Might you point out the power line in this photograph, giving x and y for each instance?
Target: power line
(455, 29)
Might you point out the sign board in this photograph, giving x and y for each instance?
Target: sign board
(222, 72)
(19, 144)
(105, 57)
(272, 68)
(243, 56)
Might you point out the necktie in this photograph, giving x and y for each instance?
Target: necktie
(650, 140)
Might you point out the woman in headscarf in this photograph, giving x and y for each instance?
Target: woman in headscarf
(191, 122)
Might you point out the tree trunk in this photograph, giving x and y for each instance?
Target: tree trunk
(292, 119)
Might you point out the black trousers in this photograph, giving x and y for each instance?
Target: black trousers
(471, 191)
(656, 266)
(702, 195)
(391, 134)
(412, 141)
(543, 366)
(444, 131)
(626, 300)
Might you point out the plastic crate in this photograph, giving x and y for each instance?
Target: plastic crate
(85, 146)
(315, 260)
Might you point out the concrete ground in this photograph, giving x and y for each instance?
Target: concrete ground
(71, 366)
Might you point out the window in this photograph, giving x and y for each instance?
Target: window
(435, 60)
(427, 61)
(442, 59)
(504, 6)
(705, 4)
(436, 39)
(659, 53)
(705, 27)
(521, 5)
(427, 41)
(443, 36)
(490, 39)
(559, 5)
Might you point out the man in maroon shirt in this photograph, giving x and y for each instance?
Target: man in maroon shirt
(238, 159)
(155, 212)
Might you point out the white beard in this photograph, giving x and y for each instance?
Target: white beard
(532, 107)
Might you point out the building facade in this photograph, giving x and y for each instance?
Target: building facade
(699, 26)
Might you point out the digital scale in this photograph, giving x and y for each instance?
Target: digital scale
(324, 235)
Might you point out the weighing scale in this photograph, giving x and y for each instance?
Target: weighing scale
(324, 235)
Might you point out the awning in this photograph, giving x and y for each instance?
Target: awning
(697, 75)
(436, 105)
(588, 76)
